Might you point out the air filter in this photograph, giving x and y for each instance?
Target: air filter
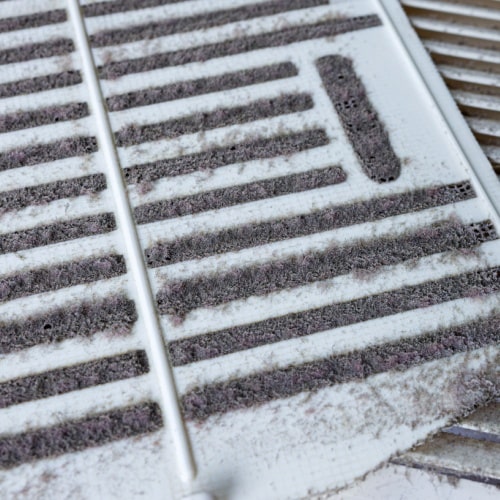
(248, 248)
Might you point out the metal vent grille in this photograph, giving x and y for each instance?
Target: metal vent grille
(469, 450)
(235, 180)
(463, 38)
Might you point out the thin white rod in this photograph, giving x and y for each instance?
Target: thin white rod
(157, 352)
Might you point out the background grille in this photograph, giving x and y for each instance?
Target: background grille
(463, 38)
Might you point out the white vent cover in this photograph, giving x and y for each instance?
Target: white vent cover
(280, 192)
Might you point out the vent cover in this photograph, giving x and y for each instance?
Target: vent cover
(245, 248)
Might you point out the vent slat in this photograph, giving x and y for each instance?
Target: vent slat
(463, 39)
(459, 457)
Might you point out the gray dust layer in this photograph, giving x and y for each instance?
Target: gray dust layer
(40, 83)
(336, 315)
(32, 20)
(55, 233)
(234, 195)
(17, 199)
(41, 50)
(222, 117)
(198, 22)
(238, 46)
(179, 297)
(237, 238)
(104, 8)
(42, 153)
(115, 313)
(249, 150)
(219, 398)
(44, 116)
(77, 435)
(359, 119)
(73, 378)
(190, 88)
(61, 276)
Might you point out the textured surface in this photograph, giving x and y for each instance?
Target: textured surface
(359, 119)
(82, 320)
(238, 46)
(264, 387)
(178, 298)
(74, 366)
(201, 86)
(43, 153)
(72, 378)
(203, 21)
(323, 263)
(295, 325)
(198, 122)
(219, 157)
(244, 236)
(221, 198)
(77, 435)
(41, 194)
(40, 83)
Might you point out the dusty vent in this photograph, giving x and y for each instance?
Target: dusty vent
(241, 250)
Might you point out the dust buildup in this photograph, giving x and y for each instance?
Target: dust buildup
(82, 320)
(233, 239)
(238, 46)
(40, 83)
(77, 435)
(37, 51)
(73, 378)
(61, 276)
(32, 20)
(17, 199)
(263, 387)
(476, 389)
(222, 117)
(55, 233)
(336, 315)
(179, 297)
(45, 116)
(42, 153)
(283, 145)
(359, 119)
(111, 7)
(235, 195)
(190, 88)
(198, 22)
